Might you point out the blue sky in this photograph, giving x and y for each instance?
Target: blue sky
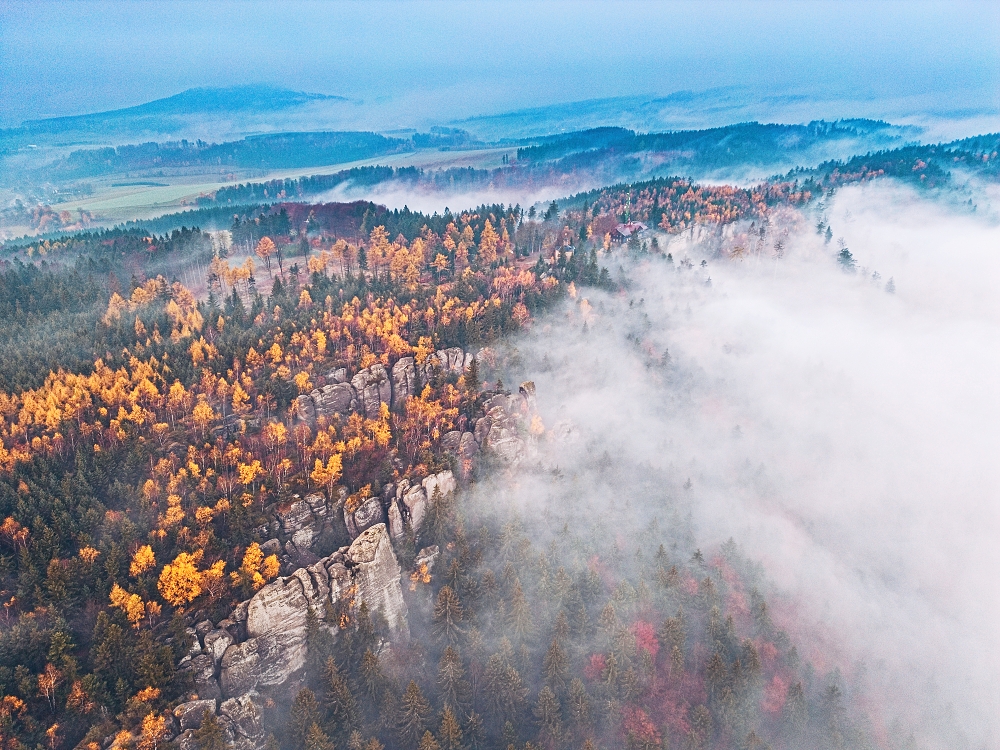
(473, 57)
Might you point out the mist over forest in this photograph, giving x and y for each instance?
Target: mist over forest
(499, 376)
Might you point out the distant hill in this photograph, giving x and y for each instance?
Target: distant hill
(236, 107)
(197, 101)
(269, 151)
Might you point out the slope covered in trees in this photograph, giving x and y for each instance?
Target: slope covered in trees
(143, 459)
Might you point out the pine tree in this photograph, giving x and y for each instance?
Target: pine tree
(453, 687)
(475, 732)
(450, 733)
(210, 735)
(578, 708)
(548, 716)
(505, 691)
(371, 677)
(428, 742)
(338, 701)
(316, 739)
(304, 713)
(794, 713)
(414, 713)
(519, 618)
(555, 667)
(448, 615)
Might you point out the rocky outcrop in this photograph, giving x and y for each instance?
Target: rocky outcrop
(367, 514)
(462, 448)
(404, 381)
(306, 520)
(190, 714)
(275, 646)
(246, 718)
(415, 501)
(373, 388)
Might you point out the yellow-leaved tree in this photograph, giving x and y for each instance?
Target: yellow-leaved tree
(142, 560)
(181, 582)
(327, 474)
(256, 569)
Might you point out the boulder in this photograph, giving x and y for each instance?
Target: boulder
(396, 530)
(296, 516)
(216, 643)
(365, 516)
(263, 661)
(338, 375)
(305, 407)
(202, 668)
(335, 398)
(445, 482)
(415, 501)
(190, 714)
(426, 557)
(246, 714)
(404, 381)
(275, 617)
(376, 574)
(373, 389)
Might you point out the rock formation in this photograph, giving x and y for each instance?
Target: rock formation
(263, 642)
(373, 386)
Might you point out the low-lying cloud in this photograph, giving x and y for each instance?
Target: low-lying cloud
(843, 435)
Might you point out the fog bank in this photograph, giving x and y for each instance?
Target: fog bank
(843, 435)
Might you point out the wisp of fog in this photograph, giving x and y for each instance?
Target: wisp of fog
(844, 435)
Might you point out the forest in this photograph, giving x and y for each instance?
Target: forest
(152, 435)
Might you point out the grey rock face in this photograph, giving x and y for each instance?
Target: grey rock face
(216, 643)
(190, 714)
(335, 398)
(376, 574)
(415, 501)
(275, 647)
(305, 407)
(203, 675)
(461, 446)
(443, 482)
(373, 389)
(500, 430)
(366, 516)
(396, 529)
(261, 662)
(404, 381)
(247, 718)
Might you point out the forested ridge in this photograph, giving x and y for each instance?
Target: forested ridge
(150, 433)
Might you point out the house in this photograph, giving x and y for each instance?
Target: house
(623, 232)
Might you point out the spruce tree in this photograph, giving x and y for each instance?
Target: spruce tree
(548, 716)
(448, 615)
(428, 742)
(210, 735)
(555, 667)
(454, 689)
(414, 713)
(475, 732)
(304, 713)
(316, 739)
(338, 701)
(450, 732)
(578, 708)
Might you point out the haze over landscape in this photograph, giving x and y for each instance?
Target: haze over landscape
(460, 376)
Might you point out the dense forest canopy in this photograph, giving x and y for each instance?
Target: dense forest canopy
(152, 391)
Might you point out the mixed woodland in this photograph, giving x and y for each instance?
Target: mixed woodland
(148, 431)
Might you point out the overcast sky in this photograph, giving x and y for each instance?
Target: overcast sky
(75, 56)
